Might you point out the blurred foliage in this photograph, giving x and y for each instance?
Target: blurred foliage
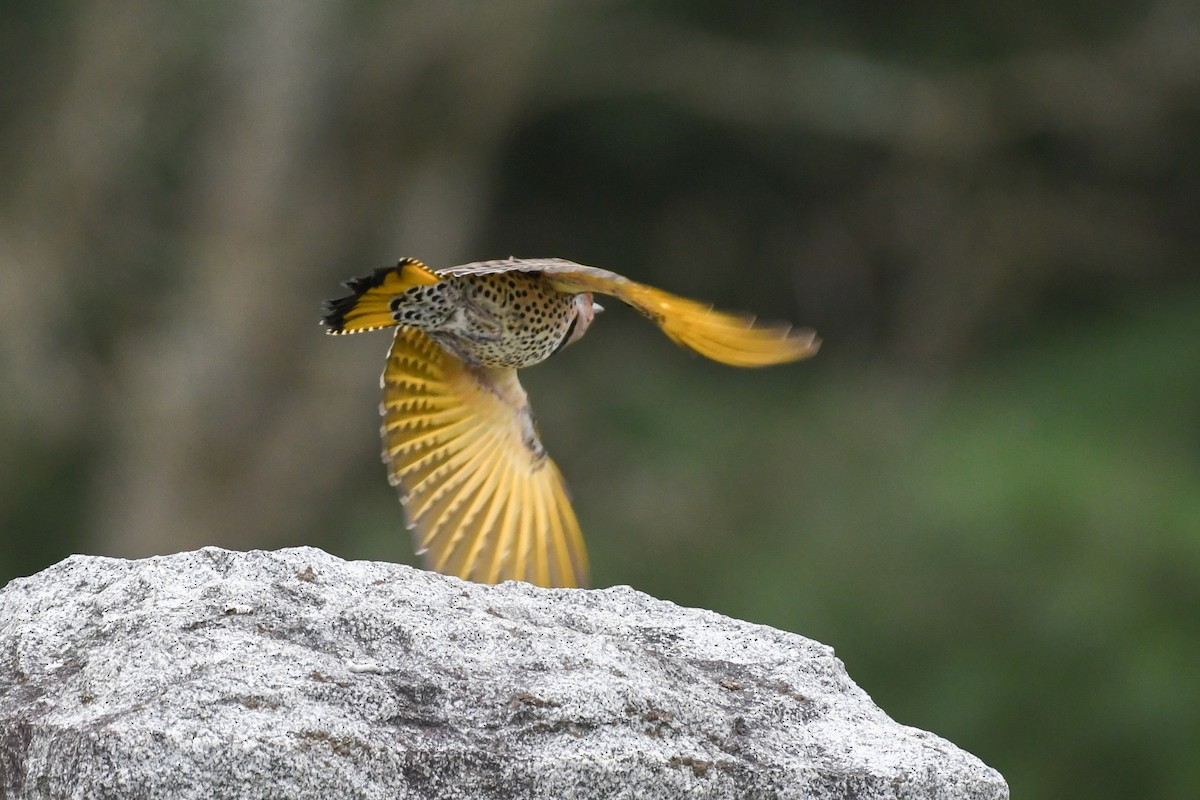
(984, 492)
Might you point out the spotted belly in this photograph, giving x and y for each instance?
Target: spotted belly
(507, 319)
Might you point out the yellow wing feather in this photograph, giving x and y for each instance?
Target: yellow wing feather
(734, 339)
(482, 498)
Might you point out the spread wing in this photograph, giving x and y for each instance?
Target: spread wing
(482, 498)
(734, 339)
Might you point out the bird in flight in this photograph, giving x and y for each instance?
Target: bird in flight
(483, 499)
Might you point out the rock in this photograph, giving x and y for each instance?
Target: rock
(294, 674)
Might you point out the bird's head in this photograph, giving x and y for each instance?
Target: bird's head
(586, 310)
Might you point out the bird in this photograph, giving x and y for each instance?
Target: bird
(481, 496)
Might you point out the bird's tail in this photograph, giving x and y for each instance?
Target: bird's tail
(369, 308)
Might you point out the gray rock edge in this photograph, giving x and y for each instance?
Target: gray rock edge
(296, 674)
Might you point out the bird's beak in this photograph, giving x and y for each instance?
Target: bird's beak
(596, 307)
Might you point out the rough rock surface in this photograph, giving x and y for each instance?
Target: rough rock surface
(294, 674)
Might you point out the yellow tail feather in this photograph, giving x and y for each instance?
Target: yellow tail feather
(369, 307)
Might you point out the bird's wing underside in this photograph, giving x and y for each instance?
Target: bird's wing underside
(482, 498)
(729, 338)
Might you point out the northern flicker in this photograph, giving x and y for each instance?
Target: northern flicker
(481, 496)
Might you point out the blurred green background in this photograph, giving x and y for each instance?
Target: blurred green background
(984, 492)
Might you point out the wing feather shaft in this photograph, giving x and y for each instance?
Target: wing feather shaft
(483, 500)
